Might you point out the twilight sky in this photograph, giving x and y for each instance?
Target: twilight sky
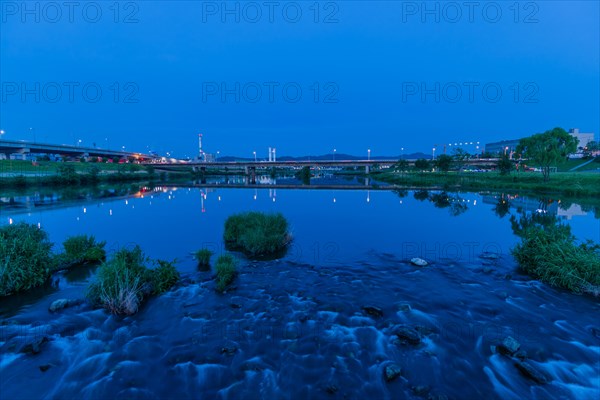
(303, 77)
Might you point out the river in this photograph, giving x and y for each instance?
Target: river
(303, 325)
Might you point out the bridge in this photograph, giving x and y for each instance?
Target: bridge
(8, 147)
(250, 167)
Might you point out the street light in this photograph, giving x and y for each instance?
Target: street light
(334, 150)
(369, 154)
(433, 153)
(79, 143)
(254, 152)
(32, 131)
(2, 132)
(217, 158)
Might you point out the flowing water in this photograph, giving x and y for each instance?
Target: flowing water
(320, 321)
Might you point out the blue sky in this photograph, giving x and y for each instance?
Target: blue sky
(379, 75)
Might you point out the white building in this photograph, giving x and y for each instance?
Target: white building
(584, 138)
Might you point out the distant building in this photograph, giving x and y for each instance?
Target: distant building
(500, 147)
(584, 138)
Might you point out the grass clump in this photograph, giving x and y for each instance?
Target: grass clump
(125, 281)
(226, 268)
(25, 258)
(203, 257)
(552, 255)
(257, 234)
(81, 249)
(163, 277)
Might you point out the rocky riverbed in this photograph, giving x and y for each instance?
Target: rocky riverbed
(381, 328)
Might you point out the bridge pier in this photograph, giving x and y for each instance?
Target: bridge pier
(367, 169)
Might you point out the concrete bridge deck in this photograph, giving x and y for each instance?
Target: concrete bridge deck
(9, 147)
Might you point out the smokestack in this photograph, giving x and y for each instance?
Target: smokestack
(270, 154)
(200, 146)
(274, 155)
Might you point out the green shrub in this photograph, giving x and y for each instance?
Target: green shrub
(124, 281)
(257, 234)
(25, 258)
(203, 257)
(551, 254)
(226, 268)
(81, 249)
(163, 277)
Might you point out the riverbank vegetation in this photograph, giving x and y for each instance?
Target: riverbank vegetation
(203, 257)
(25, 258)
(257, 234)
(226, 269)
(81, 250)
(125, 281)
(552, 255)
(566, 183)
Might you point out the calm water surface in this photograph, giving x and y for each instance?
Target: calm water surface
(296, 327)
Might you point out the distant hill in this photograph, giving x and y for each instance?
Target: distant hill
(329, 157)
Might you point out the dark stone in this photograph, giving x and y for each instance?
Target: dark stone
(407, 334)
(60, 304)
(373, 311)
(595, 331)
(229, 349)
(531, 372)
(420, 390)
(45, 367)
(509, 346)
(35, 346)
(437, 397)
(331, 389)
(235, 305)
(489, 256)
(391, 372)
(521, 355)
(404, 307)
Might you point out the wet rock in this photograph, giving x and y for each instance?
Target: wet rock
(529, 371)
(419, 262)
(595, 331)
(521, 355)
(235, 305)
(437, 397)
(373, 311)
(420, 390)
(331, 388)
(509, 346)
(487, 270)
(229, 349)
(503, 295)
(489, 255)
(34, 346)
(406, 334)
(45, 367)
(405, 307)
(60, 304)
(391, 372)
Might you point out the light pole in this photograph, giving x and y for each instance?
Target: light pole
(79, 143)
(254, 152)
(334, 150)
(369, 154)
(217, 158)
(433, 154)
(32, 131)
(2, 133)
